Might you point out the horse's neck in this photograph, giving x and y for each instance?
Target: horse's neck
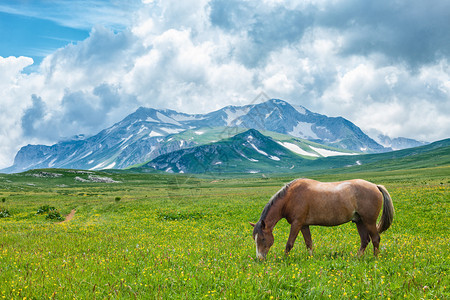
(274, 214)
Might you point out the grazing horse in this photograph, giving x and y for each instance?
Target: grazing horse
(305, 202)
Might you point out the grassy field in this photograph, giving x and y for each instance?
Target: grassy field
(178, 237)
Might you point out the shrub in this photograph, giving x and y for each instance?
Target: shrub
(3, 200)
(54, 214)
(117, 199)
(4, 213)
(44, 209)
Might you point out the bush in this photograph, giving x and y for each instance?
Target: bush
(3, 200)
(4, 213)
(117, 199)
(44, 209)
(54, 214)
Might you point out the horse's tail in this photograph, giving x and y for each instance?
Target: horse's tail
(388, 211)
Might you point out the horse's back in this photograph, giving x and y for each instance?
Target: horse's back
(334, 203)
(346, 188)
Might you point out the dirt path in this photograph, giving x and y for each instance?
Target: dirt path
(69, 216)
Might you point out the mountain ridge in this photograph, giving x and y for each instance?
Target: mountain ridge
(203, 159)
(248, 152)
(148, 133)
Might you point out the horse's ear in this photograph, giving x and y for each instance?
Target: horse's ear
(253, 224)
(263, 224)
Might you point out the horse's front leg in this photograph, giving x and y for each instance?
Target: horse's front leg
(295, 228)
(308, 240)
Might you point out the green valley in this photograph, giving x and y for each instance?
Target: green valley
(164, 236)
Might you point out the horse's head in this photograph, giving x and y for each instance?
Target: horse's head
(263, 238)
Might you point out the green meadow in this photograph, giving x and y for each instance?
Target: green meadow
(153, 236)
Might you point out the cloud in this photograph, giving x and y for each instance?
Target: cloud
(90, 111)
(393, 100)
(32, 115)
(102, 57)
(382, 65)
(12, 90)
(265, 28)
(79, 112)
(412, 32)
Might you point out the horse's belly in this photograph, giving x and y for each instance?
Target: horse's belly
(328, 222)
(330, 215)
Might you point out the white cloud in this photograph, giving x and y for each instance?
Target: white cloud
(12, 91)
(393, 100)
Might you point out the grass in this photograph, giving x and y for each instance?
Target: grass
(178, 237)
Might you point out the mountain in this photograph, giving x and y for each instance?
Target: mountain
(398, 143)
(247, 152)
(431, 155)
(253, 152)
(279, 116)
(148, 133)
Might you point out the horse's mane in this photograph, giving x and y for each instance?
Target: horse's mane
(280, 194)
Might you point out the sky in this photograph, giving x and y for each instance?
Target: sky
(70, 67)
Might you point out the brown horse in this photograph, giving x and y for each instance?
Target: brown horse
(305, 202)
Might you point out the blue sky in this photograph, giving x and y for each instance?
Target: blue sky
(35, 37)
(77, 67)
(37, 28)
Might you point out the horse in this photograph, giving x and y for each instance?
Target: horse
(304, 202)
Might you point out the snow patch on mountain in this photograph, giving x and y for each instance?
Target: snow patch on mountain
(150, 119)
(110, 166)
(154, 133)
(172, 130)
(326, 153)
(185, 117)
(303, 130)
(86, 155)
(258, 150)
(247, 158)
(296, 149)
(300, 109)
(165, 119)
(99, 166)
(52, 163)
(124, 140)
(142, 129)
(233, 113)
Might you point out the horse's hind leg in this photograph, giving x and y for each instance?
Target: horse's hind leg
(375, 236)
(364, 235)
(308, 240)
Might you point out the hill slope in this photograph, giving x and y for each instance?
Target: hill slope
(253, 152)
(431, 155)
(247, 152)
